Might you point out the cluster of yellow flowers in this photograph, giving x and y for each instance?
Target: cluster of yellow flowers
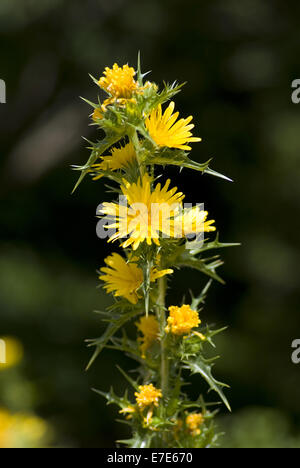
(124, 277)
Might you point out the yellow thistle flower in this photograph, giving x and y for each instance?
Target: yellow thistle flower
(119, 158)
(120, 84)
(181, 320)
(193, 422)
(149, 327)
(165, 132)
(124, 278)
(147, 395)
(148, 214)
(192, 221)
(119, 81)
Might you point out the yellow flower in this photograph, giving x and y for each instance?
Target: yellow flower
(128, 411)
(120, 84)
(148, 419)
(182, 319)
(124, 278)
(119, 81)
(118, 159)
(97, 114)
(192, 221)
(11, 352)
(147, 395)
(149, 327)
(165, 132)
(21, 430)
(193, 422)
(147, 215)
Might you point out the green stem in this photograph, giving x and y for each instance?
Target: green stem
(164, 370)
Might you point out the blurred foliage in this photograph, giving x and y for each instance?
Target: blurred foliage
(239, 59)
(259, 428)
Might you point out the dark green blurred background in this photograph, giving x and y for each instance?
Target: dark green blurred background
(239, 59)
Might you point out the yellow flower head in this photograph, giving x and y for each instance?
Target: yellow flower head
(124, 278)
(165, 132)
(181, 320)
(118, 81)
(149, 327)
(120, 84)
(147, 395)
(119, 158)
(193, 422)
(148, 213)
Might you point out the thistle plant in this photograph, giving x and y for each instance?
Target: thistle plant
(142, 134)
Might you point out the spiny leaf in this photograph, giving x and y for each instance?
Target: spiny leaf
(206, 266)
(131, 381)
(181, 159)
(175, 159)
(202, 367)
(201, 298)
(113, 327)
(215, 244)
(138, 441)
(217, 174)
(97, 151)
(112, 398)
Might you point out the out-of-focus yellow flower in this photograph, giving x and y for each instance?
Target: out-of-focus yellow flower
(149, 327)
(193, 422)
(181, 320)
(177, 427)
(148, 395)
(124, 278)
(118, 159)
(22, 430)
(148, 214)
(11, 352)
(165, 132)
